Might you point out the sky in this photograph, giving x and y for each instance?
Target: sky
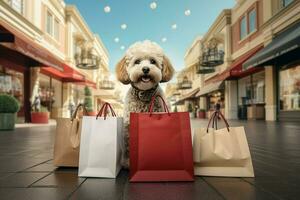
(173, 24)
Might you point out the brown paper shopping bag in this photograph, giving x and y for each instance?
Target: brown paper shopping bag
(223, 152)
(67, 139)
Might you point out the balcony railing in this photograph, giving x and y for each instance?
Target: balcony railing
(205, 70)
(184, 84)
(106, 85)
(176, 93)
(212, 57)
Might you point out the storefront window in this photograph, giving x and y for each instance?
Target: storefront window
(252, 89)
(11, 82)
(214, 98)
(289, 88)
(46, 92)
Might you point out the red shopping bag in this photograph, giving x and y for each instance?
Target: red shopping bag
(160, 146)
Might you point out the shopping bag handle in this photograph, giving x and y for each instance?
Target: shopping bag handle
(103, 111)
(74, 115)
(214, 117)
(152, 104)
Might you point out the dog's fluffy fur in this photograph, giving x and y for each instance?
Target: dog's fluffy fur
(144, 66)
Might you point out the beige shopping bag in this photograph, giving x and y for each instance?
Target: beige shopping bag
(224, 152)
(67, 139)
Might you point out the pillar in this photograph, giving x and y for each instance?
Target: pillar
(270, 94)
(231, 100)
(203, 103)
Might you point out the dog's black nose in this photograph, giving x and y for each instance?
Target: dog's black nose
(146, 70)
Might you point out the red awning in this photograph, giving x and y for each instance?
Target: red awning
(88, 83)
(67, 75)
(236, 71)
(17, 41)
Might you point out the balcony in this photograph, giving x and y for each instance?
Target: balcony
(106, 85)
(212, 56)
(184, 84)
(205, 70)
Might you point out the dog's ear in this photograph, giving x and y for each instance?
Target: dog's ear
(121, 72)
(167, 71)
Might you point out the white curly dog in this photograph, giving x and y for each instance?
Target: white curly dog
(144, 66)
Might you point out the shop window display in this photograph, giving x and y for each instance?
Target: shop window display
(11, 83)
(251, 97)
(289, 89)
(47, 97)
(252, 91)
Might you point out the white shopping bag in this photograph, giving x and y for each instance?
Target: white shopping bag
(100, 145)
(224, 152)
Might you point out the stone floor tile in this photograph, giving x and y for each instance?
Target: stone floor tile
(21, 179)
(60, 180)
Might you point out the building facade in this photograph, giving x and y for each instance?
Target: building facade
(258, 77)
(188, 81)
(280, 59)
(39, 43)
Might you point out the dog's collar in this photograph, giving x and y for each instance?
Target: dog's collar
(144, 95)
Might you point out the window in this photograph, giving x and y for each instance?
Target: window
(252, 21)
(243, 28)
(49, 23)
(56, 29)
(248, 23)
(289, 88)
(17, 5)
(286, 2)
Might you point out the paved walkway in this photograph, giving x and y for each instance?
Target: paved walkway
(26, 170)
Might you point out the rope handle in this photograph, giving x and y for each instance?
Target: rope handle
(166, 109)
(103, 111)
(215, 117)
(74, 115)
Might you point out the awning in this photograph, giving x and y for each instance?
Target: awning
(211, 87)
(16, 41)
(189, 96)
(283, 44)
(236, 71)
(87, 83)
(68, 74)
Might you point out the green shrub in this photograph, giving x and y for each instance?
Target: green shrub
(88, 99)
(8, 104)
(87, 91)
(175, 109)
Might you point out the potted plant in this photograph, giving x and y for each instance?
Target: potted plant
(9, 106)
(190, 109)
(39, 114)
(88, 101)
(202, 113)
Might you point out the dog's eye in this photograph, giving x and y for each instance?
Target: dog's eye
(137, 62)
(152, 61)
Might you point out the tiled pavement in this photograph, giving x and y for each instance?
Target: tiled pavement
(26, 170)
